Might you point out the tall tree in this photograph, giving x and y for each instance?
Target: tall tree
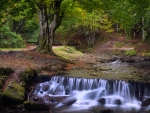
(50, 18)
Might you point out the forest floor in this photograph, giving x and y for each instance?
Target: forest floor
(108, 49)
(105, 48)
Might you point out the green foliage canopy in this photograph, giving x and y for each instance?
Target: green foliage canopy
(78, 14)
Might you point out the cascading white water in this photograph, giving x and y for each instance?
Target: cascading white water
(88, 91)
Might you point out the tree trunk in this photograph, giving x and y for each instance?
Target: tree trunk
(48, 25)
(143, 31)
(18, 25)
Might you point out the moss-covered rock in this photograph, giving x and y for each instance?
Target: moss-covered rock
(5, 71)
(1, 83)
(13, 94)
(33, 106)
(28, 76)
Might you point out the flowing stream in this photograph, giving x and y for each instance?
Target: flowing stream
(116, 95)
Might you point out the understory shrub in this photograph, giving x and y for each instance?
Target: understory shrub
(9, 39)
(27, 77)
(131, 52)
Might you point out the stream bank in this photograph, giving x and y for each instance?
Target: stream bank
(105, 66)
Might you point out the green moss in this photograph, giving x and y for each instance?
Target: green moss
(28, 76)
(131, 52)
(1, 83)
(67, 52)
(5, 70)
(35, 106)
(146, 54)
(14, 93)
(119, 44)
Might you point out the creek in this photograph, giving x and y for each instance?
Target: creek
(96, 94)
(103, 86)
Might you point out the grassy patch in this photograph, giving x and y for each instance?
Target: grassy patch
(32, 40)
(119, 44)
(131, 52)
(11, 49)
(146, 54)
(67, 52)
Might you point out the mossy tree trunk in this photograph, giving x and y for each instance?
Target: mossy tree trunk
(50, 19)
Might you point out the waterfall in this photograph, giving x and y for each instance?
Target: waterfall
(98, 87)
(94, 92)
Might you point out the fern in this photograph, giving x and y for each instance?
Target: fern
(10, 39)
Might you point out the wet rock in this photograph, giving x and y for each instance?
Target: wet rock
(37, 88)
(130, 61)
(103, 61)
(107, 111)
(146, 102)
(146, 59)
(122, 59)
(33, 106)
(102, 69)
(1, 83)
(5, 71)
(91, 95)
(45, 86)
(69, 101)
(41, 92)
(146, 77)
(59, 90)
(101, 101)
(28, 76)
(50, 91)
(107, 60)
(93, 74)
(91, 63)
(95, 66)
(118, 101)
(13, 94)
(44, 77)
(58, 99)
(111, 60)
(36, 98)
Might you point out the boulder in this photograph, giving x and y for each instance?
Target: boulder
(118, 101)
(112, 60)
(45, 86)
(130, 61)
(37, 88)
(93, 74)
(107, 111)
(13, 94)
(5, 71)
(36, 98)
(100, 110)
(91, 95)
(1, 83)
(69, 100)
(101, 101)
(33, 106)
(103, 61)
(28, 76)
(145, 103)
(59, 90)
(107, 60)
(43, 77)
